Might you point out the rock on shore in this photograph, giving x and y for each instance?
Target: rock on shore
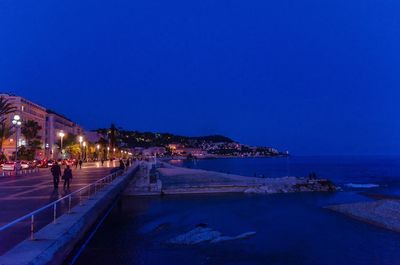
(292, 184)
(202, 233)
(383, 213)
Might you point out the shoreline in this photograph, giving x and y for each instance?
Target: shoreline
(165, 159)
(384, 213)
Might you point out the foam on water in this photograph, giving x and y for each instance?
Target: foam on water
(362, 185)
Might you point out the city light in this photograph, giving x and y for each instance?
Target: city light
(80, 139)
(61, 134)
(17, 122)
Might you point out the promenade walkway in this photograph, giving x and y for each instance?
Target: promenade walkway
(23, 194)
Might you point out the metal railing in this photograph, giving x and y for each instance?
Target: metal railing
(56, 208)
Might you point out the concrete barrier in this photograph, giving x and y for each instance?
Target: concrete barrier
(55, 242)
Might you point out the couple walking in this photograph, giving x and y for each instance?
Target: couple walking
(56, 172)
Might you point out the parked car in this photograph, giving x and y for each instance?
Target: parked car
(50, 163)
(12, 166)
(42, 163)
(24, 165)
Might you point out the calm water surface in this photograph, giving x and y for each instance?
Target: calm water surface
(290, 228)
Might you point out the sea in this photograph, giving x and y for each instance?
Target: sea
(289, 228)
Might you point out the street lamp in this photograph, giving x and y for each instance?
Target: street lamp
(80, 147)
(61, 134)
(17, 123)
(84, 147)
(98, 151)
(108, 152)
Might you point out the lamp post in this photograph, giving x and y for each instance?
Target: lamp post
(80, 147)
(108, 152)
(98, 151)
(84, 148)
(17, 123)
(61, 134)
(114, 153)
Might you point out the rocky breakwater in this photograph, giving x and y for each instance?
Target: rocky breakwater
(178, 180)
(293, 184)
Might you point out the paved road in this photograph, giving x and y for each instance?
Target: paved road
(23, 194)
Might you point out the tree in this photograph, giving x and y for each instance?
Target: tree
(6, 108)
(73, 150)
(30, 130)
(113, 135)
(70, 145)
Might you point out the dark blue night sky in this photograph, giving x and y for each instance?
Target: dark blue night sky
(310, 76)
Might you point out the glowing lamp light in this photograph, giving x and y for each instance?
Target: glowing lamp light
(17, 120)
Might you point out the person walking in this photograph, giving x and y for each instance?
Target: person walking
(56, 172)
(121, 164)
(102, 162)
(67, 177)
(80, 163)
(76, 162)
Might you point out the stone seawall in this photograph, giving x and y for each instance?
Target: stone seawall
(180, 180)
(55, 242)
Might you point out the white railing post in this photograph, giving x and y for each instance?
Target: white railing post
(55, 213)
(69, 203)
(33, 227)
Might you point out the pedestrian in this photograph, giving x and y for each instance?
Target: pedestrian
(67, 177)
(121, 164)
(128, 163)
(56, 172)
(76, 163)
(80, 163)
(102, 162)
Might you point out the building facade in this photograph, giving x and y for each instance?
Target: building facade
(51, 124)
(55, 124)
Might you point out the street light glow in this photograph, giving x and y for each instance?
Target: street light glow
(17, 120)
(98, 147)
(80, 139)
(61, 134)
(84, 144)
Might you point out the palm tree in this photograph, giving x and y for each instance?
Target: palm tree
(5, 131)
(113, 135)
